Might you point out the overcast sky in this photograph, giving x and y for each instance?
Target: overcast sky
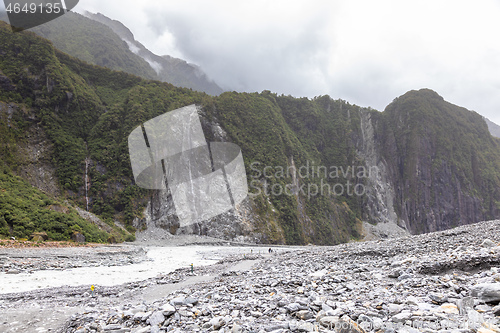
(366, 52)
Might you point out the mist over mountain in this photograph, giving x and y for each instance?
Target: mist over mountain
(422, 165)
(96, 39)
(169, 69)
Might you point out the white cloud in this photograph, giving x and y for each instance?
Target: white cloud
(367, 52)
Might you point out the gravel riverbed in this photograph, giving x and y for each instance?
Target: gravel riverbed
(440, 282)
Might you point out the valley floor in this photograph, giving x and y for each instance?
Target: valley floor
(441, 282)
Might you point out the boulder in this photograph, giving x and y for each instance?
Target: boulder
(78, 237)
(486, 292)
(39, 237)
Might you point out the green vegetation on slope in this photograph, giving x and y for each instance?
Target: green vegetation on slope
(95, 43)
(87, 113)
(25, 210)
(442, 155)
(273, 131)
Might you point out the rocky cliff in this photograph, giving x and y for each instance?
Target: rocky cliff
(436, 167)
(442, 162)
(319, 170)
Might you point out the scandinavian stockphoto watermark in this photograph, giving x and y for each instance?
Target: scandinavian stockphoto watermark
(310, 180)
(26, 14)
(170, 151)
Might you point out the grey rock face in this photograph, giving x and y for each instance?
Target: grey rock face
(486, 292)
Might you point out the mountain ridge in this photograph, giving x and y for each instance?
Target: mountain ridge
(99, 40)
(438, 164)
(169, 69)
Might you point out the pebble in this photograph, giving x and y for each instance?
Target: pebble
(384, 286)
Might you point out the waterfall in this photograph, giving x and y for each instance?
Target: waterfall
(87, 161)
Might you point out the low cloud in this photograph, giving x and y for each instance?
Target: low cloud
(362, 51)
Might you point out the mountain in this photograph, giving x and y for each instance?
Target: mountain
(442, 160)
(169, 69)
(101, 41)
(319, 170)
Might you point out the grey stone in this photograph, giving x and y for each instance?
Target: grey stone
(168, 309)
(475, 319)
(401, 317)
(438, 298)
(142, 330)
(78, 237)
(185, 313)
(179, 301)
(304, 326)
(394, 308)
(395, 273)
(412, 300)
(156, 318)
(488, 243)
(464, 305)
(217, 322)
(13, 271)
(304, 314)
(486, 292)
(405, 276)
(329, 321)
(293, 307)
(191, 300)
(236, 329)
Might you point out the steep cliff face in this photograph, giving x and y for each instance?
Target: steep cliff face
(431, 166)
(380, 218)
(318, 169)
(237, 224)
(442, 161)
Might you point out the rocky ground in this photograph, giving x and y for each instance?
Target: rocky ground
(27, 260)
(440, 282)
